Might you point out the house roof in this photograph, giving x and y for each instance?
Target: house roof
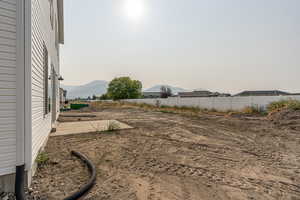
(60, 8)
(263, 92)
(149, 93)
(195, 93)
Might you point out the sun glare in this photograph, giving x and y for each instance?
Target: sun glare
(135, 9)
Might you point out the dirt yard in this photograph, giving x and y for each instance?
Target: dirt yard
(171, 156)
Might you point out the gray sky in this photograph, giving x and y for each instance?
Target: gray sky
(221, 45)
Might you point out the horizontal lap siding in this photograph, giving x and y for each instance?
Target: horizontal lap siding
(7, 86)
(40, 123)
(41, 34)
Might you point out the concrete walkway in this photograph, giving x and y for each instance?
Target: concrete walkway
(69, 128)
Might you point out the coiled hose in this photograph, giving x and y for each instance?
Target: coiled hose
(83, 190)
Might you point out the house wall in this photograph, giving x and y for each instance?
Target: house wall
(42, 33)
(218, 103)
(8, 68)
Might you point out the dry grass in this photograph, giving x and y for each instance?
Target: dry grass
(185, 110)
(164, 109)
(284, 104)
(252, 110)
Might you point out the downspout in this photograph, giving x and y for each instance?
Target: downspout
(20, 182)
(21, 74)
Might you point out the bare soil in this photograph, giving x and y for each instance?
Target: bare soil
(177, 157)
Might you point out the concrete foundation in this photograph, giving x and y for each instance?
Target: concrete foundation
(7, 183)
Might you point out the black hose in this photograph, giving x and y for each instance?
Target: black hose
(19, 182)
(91, 181)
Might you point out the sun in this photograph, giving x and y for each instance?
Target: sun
(134, 9)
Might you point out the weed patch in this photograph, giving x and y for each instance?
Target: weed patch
(253, 110)
(42, 159)
(283, 104)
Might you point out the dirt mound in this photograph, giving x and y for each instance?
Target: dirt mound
(286, 118)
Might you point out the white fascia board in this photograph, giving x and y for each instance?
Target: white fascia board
(60, 9)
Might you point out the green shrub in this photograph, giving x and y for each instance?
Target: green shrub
(163, 106)
(42, 159)
(294, 105)
(283, 104)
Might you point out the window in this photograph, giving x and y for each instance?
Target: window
(46, 80)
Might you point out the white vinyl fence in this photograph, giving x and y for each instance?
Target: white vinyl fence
(218, 103)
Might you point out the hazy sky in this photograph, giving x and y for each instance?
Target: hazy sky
(221, 45)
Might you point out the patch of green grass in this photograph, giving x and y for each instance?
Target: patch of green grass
(283, 104)
(42, 159)
(164, 106)
(167, 111)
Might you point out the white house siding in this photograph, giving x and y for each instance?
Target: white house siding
(7, 86)
(42, 33)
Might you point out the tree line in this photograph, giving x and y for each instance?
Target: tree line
(126, 88)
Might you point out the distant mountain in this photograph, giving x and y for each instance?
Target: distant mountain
(83, 91)
(68, 87)
(156, 88)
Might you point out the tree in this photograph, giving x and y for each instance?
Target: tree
(124, 88)
(94, 97)
(104, 97)
(165, 92)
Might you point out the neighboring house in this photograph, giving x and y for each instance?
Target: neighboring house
(223, 94)
(263, 93)
(196, 93)
(152, 95)
(202, 93)
(30, 34)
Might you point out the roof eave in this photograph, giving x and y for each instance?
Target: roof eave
(60, 8)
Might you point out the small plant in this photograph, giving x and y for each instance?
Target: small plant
(250, 110)
(112, 126)
(164, 106)
(167, 111)
(254, 110)
(157, 103)
(213, 110)
(42, 159)
(283, 104)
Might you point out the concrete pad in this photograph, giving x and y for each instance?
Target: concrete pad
(69, 128)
